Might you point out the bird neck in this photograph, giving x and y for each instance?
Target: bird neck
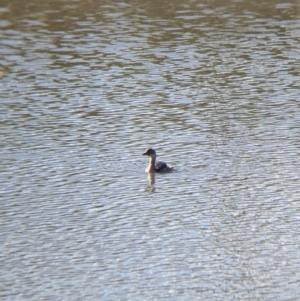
(151, 166)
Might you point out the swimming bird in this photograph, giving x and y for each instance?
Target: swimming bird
(153, 165)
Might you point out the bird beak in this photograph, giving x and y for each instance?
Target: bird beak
(145, 154)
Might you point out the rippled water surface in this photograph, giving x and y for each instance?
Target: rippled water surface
(86, 87)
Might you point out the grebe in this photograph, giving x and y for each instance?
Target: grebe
(155, 166)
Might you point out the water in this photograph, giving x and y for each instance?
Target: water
(86, 87)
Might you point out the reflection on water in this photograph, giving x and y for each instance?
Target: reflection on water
(151, 186)
(86, 87)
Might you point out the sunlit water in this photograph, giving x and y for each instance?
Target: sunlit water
(86, 87)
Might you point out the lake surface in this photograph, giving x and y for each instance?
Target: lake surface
(213, 87)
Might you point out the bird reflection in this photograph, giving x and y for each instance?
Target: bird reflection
(151, 179)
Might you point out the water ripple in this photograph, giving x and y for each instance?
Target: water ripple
(86, 87)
